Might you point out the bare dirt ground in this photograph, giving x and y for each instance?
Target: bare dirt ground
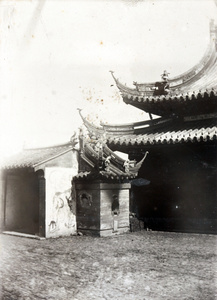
(140, 266)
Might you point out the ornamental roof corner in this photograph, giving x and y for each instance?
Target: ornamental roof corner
(105, 164)
(199, 82)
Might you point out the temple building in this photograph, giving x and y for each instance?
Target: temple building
(176, 187)
(168, 181)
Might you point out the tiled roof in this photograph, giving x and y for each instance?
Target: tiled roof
(160, 130)
(30, 158)
(190, 103)
(170, 133)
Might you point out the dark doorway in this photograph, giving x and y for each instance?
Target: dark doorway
(22, 203)
(181, 195)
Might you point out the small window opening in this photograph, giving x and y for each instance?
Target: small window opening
(115, 205)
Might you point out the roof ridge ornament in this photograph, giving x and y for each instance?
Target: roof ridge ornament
(165, 76)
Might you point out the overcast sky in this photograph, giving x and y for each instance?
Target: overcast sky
(56, 56)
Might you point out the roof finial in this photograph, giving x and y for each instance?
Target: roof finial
(165, 76)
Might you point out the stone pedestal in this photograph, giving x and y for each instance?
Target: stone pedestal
(102, 208)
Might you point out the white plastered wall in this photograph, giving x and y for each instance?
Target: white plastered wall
(60, 216)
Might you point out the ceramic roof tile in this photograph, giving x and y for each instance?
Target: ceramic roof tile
(175, 133)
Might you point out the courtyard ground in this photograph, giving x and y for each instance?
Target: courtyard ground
(135, 266)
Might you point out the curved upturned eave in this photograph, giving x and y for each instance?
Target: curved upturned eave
(185, 82)
(112, 130)
(109, 130)
(195, 95)
(91, 127)
(192, 75)
(115, 164)
(123, 88)
(121, 129)
(181, 84)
